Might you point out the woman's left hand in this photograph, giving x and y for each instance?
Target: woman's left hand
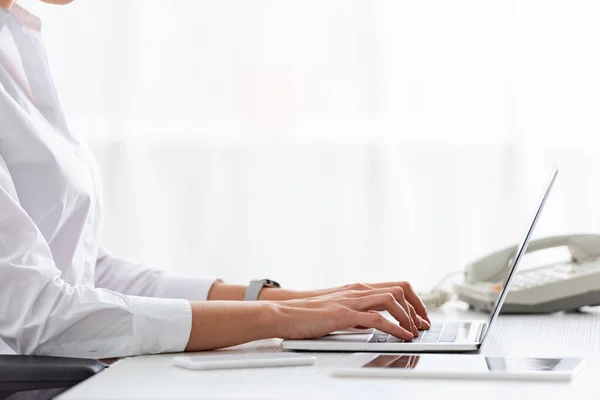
(414, 303)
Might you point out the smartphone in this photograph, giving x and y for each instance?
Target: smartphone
(243, 360)
(457, 366)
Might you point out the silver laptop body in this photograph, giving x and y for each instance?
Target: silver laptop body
(448, 336)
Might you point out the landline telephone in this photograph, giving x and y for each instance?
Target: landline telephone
(560, 286)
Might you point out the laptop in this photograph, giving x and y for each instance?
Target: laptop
(449, 336)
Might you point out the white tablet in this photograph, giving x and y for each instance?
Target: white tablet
(457, 366)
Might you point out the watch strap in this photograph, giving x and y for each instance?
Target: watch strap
(256, 286)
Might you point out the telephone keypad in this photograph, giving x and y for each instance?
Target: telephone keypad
(554, 273)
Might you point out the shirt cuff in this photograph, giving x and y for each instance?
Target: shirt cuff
(183, 287)
(160, 325)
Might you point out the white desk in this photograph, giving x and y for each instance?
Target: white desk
(153, 377)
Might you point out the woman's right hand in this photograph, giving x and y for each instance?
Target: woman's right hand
(319, 316)
(217, 324)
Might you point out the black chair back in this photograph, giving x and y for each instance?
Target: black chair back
(42, 377)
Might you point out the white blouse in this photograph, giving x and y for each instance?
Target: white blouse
(61, 292)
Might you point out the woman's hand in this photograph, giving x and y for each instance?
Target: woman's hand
(217, 324)
(409, 300)
(321, 315)
(413, 302)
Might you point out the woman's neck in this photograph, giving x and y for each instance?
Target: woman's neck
(6, 3)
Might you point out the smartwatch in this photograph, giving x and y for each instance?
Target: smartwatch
(256, 286)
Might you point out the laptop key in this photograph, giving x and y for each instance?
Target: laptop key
(418, 338)
(428, 336)
(378, 337)
(394, 339)
(449, 333)
(435, 328)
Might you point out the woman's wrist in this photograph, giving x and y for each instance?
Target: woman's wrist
(224, 291)
(218, 324)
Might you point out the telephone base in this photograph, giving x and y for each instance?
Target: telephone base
(571, 303)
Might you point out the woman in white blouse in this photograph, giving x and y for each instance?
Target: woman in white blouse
(62, 293)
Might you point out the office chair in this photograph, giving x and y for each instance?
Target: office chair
(42, 377)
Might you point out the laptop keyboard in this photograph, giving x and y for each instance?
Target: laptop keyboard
(438, 333)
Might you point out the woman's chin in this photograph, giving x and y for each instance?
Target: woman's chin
(57, 2)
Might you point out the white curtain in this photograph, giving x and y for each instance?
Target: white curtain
(320, 142)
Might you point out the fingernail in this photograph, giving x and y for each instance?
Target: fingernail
(425, 324)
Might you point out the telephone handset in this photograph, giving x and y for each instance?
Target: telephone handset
(494, 267)
(560, 286)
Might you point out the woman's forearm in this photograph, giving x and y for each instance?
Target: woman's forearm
(224, 291)
(217, 324)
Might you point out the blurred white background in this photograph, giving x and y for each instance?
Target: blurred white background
(320, 142)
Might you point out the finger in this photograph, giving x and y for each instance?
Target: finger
(412, 297)
(415, 300)
(421, 323)
(399, 294)
(385, 302)
(408, 308)
(377, 321)
(424, 324)
(355, 294)
(413, 315)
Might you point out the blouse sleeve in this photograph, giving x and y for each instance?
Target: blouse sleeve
(40, 313)
(128, 277)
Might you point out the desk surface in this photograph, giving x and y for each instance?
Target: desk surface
(153, 377)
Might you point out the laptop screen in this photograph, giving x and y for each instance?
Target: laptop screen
(520, 251)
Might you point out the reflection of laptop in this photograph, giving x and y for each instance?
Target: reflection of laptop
(444, 337)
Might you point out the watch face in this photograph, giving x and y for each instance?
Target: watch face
(271, 283)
